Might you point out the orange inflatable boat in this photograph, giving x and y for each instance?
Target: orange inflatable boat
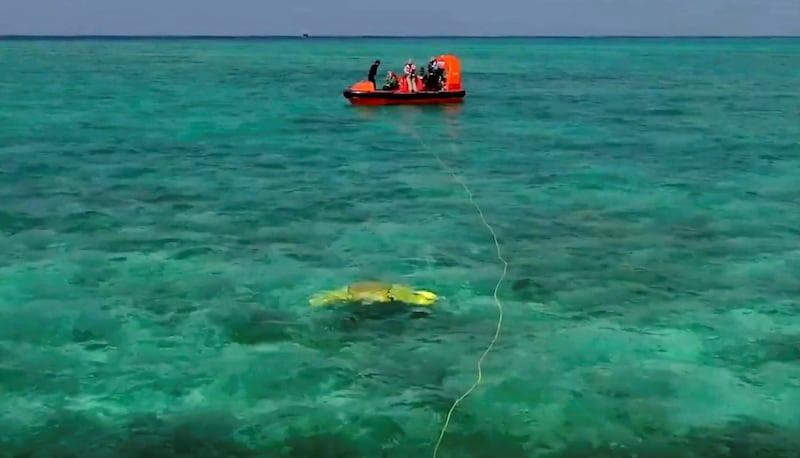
(364, 93)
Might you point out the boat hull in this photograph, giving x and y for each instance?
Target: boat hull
(403, 98)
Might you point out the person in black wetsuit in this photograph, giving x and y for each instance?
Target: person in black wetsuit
(373, 70)
(435, 76)
(431, 74)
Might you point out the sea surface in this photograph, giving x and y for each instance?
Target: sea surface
(168, 206)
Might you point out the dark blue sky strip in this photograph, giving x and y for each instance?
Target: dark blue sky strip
(375, 17)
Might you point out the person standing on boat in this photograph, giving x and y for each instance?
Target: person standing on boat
(430, 79)
(410, 73)
(373, 70)
(437, 74)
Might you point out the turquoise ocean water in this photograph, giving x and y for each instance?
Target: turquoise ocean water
(167, 207)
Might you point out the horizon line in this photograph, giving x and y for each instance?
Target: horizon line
(345, 36)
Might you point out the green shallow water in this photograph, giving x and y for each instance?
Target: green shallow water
(168, 206)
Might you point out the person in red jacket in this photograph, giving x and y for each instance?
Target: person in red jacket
(410, 73)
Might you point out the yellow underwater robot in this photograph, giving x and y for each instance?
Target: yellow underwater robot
(370, 292)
